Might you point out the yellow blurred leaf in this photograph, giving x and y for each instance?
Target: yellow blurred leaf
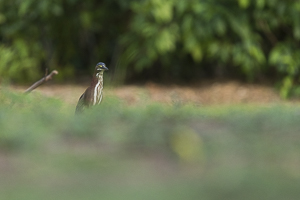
(166, 40)
(244, 3)
(163, 10)
(197, 53)
(187, 144)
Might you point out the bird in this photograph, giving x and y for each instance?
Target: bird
(93, 94)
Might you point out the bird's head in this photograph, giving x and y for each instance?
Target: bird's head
(100, 67)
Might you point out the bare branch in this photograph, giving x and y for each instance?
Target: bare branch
(43, 80)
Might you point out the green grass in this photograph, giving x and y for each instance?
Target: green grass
(147, 152)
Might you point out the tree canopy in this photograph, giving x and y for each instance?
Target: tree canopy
(162, 40)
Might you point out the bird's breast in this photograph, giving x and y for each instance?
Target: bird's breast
(97, 96)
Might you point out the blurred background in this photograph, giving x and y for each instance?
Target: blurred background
(163, 41)
(201, 99)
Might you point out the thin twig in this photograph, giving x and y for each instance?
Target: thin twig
(43, 80)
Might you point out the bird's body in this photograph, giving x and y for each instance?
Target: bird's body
(93, 94)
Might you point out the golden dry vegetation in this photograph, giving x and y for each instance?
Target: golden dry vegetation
(213, 93)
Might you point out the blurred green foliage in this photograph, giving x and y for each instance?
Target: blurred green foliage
(162, 40)
(147, 152)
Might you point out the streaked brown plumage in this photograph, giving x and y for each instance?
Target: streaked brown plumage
(93, 94)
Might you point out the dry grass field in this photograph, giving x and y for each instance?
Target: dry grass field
(214, 93)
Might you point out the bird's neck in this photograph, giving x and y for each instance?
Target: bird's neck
(97, 77)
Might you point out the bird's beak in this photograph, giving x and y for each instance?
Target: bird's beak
(104, 68)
